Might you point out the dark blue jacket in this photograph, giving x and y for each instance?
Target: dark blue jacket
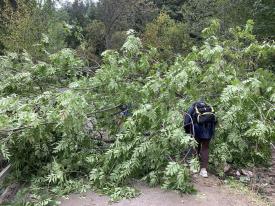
(201, 131)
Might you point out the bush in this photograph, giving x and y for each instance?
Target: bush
(168, 36)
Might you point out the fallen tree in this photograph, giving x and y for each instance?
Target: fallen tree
(55, 139)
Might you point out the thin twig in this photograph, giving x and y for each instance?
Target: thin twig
(89, 89)
(98, 65)
(103, 110)
(183, 160)
(110, 141)
(259, 109)
(5, 131)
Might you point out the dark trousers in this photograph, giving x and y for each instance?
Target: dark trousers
(203, 152)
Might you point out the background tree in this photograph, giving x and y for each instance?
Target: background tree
(197, 14)
(261, 11)
(170, 37)
(171, 7)
(121, 15)
(25, 26)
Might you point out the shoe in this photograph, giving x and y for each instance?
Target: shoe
(203, 173)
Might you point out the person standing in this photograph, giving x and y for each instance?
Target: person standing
(200, 122)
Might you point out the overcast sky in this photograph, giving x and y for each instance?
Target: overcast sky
(73, 0)
(63, 1)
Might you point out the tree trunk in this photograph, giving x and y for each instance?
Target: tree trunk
(108, 40)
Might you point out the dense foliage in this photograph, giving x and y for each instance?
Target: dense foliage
(60, 127)
(91, 27)
(85, 103)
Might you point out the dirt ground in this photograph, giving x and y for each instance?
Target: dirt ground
(210, 193)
